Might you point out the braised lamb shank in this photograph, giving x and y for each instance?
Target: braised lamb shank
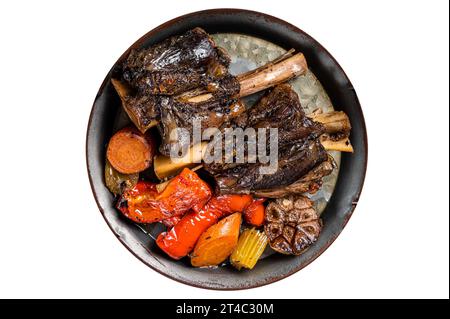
(302, 159)
(176, 65)
(186, 77)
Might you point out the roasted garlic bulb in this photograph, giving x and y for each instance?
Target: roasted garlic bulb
(292, 224)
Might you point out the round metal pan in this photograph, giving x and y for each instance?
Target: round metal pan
(352, 168)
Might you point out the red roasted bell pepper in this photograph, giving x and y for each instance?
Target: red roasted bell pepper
(181, 239)
(143, 203)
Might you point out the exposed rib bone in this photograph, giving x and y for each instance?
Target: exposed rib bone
(273, 74)
(336, 122)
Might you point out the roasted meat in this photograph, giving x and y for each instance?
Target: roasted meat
(176, 65)
(292, 224)
(218, 103)
(179, 113)
(309, 183)
(143, 110)
(293, 164)
(186, 77)
(281, 109)
(155, 83)
(299, 150)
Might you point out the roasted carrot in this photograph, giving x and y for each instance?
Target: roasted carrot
(181, 239)
(254, 214)
(218, 242)
(143, 203)
(129, 151)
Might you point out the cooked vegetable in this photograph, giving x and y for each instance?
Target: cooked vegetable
(292, 224)
(129, 151)
(162, 186)
(170, 222)
(250, 247)
(118, 182)
(218, 242)
(165, 166)
(254, 214)
(181, 239)
(143, 203)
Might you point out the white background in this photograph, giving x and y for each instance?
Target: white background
(54, 56)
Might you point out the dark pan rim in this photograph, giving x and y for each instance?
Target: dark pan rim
(272, 19)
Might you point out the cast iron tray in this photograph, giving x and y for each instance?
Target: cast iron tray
(352, 167)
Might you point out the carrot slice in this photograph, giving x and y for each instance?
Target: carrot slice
(217, 243)
(129, 151)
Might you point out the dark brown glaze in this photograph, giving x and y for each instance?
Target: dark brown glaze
(309, 183)
(281, 109)
(142, 109)
(161, 80)
(300, 150)
(176, 114)
(146, 110)
(177, 64)
(292, 224)
(293, 164)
